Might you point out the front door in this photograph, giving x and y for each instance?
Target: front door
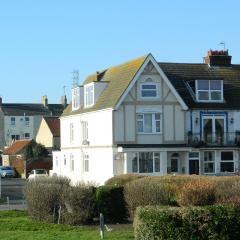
(194, 167)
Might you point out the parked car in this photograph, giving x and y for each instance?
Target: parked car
(37, 173)
(7, 171)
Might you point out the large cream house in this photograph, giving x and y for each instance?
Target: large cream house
(153, 118)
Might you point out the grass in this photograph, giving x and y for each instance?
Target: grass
(17, 225)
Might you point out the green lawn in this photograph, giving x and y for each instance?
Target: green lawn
(16, 225)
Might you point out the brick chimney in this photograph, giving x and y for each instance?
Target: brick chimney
(45, 101)
(218, 58)
(64, 101)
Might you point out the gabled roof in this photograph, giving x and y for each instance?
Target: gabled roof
(54, 125)
(118, 78)
(31, 109)
(17, 147)
(183, 76)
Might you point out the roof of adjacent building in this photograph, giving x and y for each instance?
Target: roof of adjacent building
(183, 76)
(31, 109)
(118, 79)
(54, 125)
(17, 147)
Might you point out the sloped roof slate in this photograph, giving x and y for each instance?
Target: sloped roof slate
(16, 147)
(183, 74)
(118, 78)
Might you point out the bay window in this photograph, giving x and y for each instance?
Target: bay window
(148, 123)
(146, 162)
(209, 162)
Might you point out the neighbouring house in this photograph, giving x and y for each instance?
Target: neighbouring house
(22, 120)
(153, 118)
(49, 133)
(15, 156)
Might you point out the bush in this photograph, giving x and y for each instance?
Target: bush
(110, 202)
(197, 193)
(44, 196)
(79, 203)
(228, 192)
(148, 191)
(195, 223)
(122, 180)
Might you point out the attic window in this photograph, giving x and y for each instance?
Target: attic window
(89, 96)
(149, 90)
(209, 90)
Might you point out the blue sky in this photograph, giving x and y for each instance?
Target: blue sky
(42, 41)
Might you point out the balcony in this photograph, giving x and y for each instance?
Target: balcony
(214, 140)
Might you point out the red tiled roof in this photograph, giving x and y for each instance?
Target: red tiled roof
(16, 147)
(54, 125)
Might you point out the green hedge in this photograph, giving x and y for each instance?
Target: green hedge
(110, 202)
(195, 223)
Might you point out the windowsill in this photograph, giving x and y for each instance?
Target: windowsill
(155, 133)
(210, 101)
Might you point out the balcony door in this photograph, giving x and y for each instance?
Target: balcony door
(213, 129)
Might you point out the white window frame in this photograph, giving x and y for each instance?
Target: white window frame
(13, 121)
(84, 131)
(153, 161)
(206, 162)
(71, 162)
(227, 161)
(154, 123)
(86, 162)
(209, 91)
(25, 136)
(89, 95)
(71, 129)
(27, 122)
(149, 90)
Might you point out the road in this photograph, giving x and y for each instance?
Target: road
(12, 188)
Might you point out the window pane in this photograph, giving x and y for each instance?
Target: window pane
(148, 123)
(227, 167)
(193, 155)
(140, 126)
(209, 167)
(215, 85)
(203, 95)
(135, 164)
(157, 126)
(149, 93)
(157, 162)
(203, 84)
(148, 86)
(140, 116)
(227, 156)
(146, 162)
(216, 95)
(209, 156)
(157, 116)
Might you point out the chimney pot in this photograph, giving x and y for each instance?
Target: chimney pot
(218, 58)
(64, 101)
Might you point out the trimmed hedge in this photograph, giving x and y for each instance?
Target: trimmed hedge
(110, 202)
(195, 223)
(79, 204)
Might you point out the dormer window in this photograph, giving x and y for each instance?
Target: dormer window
(89, 96)
(209, 90)
(76, 98)
(149, 90)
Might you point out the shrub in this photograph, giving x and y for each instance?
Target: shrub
(79, 203)
(110, 202)
(195, 223)
(148, 191)
(197, 193)
(228, 192)
(44, 196)
(122, 180)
